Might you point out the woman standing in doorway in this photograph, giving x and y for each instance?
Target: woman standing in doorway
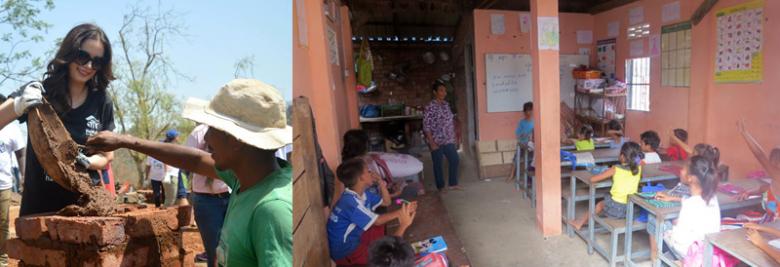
(75, 85)
(439, 128)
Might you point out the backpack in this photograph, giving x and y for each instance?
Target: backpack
(432, 260)
(695, 257)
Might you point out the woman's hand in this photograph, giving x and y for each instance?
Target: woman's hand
(105, 141)
(663, 197)
(29, 95)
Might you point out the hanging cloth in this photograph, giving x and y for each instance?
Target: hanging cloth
(365, 64)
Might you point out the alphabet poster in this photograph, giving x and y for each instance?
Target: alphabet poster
(605, 51)
(738, 57)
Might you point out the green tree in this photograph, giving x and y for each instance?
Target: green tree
(143, 107)
(21, 19)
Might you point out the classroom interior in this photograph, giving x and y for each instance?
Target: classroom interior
(669, 57)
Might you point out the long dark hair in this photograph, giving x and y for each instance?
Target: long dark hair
(709, 152)
(55, 80)
(706, 174)
(355, 144)
(632, 155)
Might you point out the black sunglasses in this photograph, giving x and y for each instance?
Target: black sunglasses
(82, 58)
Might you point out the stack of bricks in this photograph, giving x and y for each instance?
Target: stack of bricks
(495, 157)
(139, 236)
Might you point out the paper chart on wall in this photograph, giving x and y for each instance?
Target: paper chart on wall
(613, 29)
(636, 15)
(549, 37)
(670, 12)
(605, 51)
(637, 47)
(584, 37)
(738, 57)
(497, 24)
(655, 45)
(525, 23)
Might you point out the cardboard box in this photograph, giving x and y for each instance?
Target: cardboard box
(486, 146)
(487, 159)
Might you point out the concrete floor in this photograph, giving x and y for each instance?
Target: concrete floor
(497, 226)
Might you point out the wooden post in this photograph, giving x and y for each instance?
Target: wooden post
(547, 122)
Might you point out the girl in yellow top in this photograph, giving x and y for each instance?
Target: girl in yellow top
(625, 181)
(584, 139)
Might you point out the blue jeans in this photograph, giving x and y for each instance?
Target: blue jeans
(451, 152)
(210, 215)
(16, 186)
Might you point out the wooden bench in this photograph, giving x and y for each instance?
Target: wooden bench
(615, 227)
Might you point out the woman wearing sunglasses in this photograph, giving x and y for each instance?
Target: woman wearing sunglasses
(75, 85)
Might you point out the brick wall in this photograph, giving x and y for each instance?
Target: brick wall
(415, 91)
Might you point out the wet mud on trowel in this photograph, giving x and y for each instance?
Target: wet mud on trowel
(57, 153)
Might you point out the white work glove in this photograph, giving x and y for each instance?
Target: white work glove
(28, 96)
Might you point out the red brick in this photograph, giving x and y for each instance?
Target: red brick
(150, 222)
(29, 255)
(185, 215)
(99, 231)
(119, 257)
(191, 239)
(31, 228)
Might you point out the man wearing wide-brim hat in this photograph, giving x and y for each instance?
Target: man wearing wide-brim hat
(247, 124)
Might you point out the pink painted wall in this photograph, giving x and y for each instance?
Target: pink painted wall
(322, 82)
(708, 110)
(668, 105)
(501, 125)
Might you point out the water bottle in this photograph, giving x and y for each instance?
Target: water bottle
(771, 210)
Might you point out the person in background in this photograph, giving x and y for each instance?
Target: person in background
(584, 139)
(247, 124)
(439, 129)
(524, 133)
(770, 162)
(675, 150)
(615, 133)
(650, 142)
(391, 251)
(210, 198)
(11, 142)
(170, 181)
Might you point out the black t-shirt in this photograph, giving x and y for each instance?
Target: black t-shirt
(41, 193)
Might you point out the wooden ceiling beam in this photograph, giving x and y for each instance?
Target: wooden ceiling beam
(609, 5)
(702, 11)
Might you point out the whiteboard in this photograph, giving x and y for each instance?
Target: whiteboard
(509, 81)
(567, 64)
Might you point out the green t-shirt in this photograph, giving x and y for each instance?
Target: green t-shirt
(258, 223)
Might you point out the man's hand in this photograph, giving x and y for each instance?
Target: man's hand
(434, 146)
(29, 95)
(105, 141)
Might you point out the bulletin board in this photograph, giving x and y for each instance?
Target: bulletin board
(739, 56)
(605, 50)
(509, 81)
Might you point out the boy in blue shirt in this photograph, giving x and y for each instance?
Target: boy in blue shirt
(524, 134)
(353, 223)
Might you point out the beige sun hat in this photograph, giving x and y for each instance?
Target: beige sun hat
(250, 110)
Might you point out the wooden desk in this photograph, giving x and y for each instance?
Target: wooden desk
(597, 145)
(391, 118)
(725, 202)
(650, 173)
(735, 243)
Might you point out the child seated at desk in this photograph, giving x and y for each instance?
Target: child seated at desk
(353, 225)
(584, 139)
(770, 164)
(615, 133)
(625, 181)
(699, 213)
(675, 151)
(650, 142)
(755, 237)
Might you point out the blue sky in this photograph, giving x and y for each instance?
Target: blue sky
(219, 34)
